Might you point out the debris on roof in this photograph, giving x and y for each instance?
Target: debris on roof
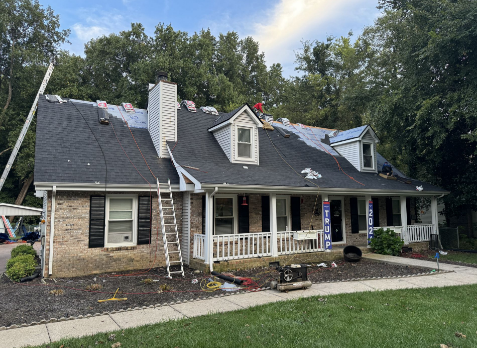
(128, 107)
(419, 188)
(55, 99)
(190, 105)
(267, 126)
(268, 118)
(209, 110)
(284, 121)
(178, 106)
(102, 104)
(311, 174)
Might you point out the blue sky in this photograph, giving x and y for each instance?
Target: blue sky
(278, 25)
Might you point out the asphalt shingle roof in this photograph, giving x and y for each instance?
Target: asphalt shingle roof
(225, 117)
(67, 152)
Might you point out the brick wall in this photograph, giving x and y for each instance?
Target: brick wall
(72, 256)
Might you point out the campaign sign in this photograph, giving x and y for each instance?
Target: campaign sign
(327, 225)
(370, 222)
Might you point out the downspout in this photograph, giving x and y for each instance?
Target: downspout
(211, 241)
(52, 230)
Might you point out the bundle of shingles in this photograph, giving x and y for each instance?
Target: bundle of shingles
(310, 174)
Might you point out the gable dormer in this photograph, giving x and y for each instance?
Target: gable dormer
(358, 146)
(237, 134)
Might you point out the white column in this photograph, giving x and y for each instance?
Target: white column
(273, 224)
(434, 216)
(402, 200)
(367, 199)
(208, 252)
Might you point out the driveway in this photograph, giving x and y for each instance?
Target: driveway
(5, 251)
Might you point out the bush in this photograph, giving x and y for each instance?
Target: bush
(23, 250)
(386, 242)
(20, 267)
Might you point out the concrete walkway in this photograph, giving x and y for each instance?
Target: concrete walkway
(46, 333)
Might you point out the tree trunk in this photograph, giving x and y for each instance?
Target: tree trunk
(10, 78)
(1, 153)
(23, 192)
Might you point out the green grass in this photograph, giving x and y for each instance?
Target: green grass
(398, 318)
(461, 257)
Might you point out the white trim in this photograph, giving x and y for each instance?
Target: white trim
(288, 211)
(134, 221)
(235, 211)
(47, 186)
(373, 156)
(181, 171)
(231, 120)
(52, 230)
(237, 158)
(343, 218)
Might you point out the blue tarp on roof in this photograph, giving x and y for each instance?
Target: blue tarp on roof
(348, 134)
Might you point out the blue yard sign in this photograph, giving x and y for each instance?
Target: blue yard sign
(370, 222)
(327, 225)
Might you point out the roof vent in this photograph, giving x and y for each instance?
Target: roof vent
(209, 110)
(102, 104)
(190, 105)
(284, 121)
(128, 107)
(178, 105)
(161, 76)
(103, 116)
(334, 133)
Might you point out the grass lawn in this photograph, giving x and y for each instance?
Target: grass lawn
(461, 257)
(398, 318)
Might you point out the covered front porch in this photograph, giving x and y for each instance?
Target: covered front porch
(244, 225)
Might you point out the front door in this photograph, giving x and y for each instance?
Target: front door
(336, 211)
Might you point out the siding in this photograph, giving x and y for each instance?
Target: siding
(185, 242)
(369, 139)
(223, 138)
(244, 120)
(351, 152)
(162, 122)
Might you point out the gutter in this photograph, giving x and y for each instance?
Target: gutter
(61, 186)
(52, 230)
(211, 244)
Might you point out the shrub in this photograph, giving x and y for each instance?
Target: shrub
(23, 250)
(386, 242)
(20, 267)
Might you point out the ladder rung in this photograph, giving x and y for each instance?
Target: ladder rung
(166, 199)
(173, 252)
(170, 233)
(167, 215)
(176, 272)
(174, 261)
(169, 224)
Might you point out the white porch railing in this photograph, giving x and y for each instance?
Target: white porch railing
(412, 233)
(288, 245)
(241, 246)
(199, 245)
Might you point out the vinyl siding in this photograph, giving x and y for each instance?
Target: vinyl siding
(185, 242)
(223, 138)
(368, 138)
(351, 152)
(244, 120)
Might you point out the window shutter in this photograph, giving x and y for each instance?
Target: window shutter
(97, 211)
(354, 215)
(295, 213)
(389, 211)
(265, 213)
(144, 220)
(243, 217)
(408, 210)
(376, 211)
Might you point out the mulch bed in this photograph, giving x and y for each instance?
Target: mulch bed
(68, 297)
(429, 255)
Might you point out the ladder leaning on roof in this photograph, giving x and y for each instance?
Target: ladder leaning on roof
(172, 246)
(26, 126)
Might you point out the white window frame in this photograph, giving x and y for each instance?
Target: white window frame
(366, 227)
(235, 211)
(252, 144)
(373, 160)
(134, 222)
(288, 207)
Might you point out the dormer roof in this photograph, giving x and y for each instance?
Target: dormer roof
(228, 118)
(353, 134)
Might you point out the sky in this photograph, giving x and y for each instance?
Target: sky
(278, 25)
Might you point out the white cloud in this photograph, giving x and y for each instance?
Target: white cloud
(291, 21)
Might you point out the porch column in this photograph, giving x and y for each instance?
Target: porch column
(326, 217)
(434, 216)
(404, 235)
(369, 218)
(208, 247)
(273, 224)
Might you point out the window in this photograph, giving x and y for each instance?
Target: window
(225, 207)
(283, 204)
(368, 156)
(363, 225)
(121, 220)
(396, 212)
(244, 142)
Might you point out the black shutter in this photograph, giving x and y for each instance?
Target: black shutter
(408, 210)
(144, 214)
(376, 211)
(295, 213)
(97, 221)
(389, 211)
(243, 221)
(203, 214)
(354, 215)
(265, 213)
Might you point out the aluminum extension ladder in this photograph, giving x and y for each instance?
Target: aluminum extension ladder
(172, 246)
(24, 131)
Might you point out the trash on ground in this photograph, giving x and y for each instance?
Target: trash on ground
(333, 264)
(194, 281)
(229, 287)
(442, 252)
(322, 265)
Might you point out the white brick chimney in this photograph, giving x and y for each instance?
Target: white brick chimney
(162, 114)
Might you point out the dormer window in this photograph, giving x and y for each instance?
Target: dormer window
(368, 156)
(244, 142)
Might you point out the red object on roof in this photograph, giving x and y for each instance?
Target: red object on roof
(258, 106)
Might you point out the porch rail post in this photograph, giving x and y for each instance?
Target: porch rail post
(434, 216)
(209, 220)
(404, 231)
(273, 224)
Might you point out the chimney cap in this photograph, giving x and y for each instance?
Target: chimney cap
(161, 76)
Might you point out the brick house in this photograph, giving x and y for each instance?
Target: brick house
(241, 193)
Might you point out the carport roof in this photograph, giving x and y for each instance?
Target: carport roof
(18, 210)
